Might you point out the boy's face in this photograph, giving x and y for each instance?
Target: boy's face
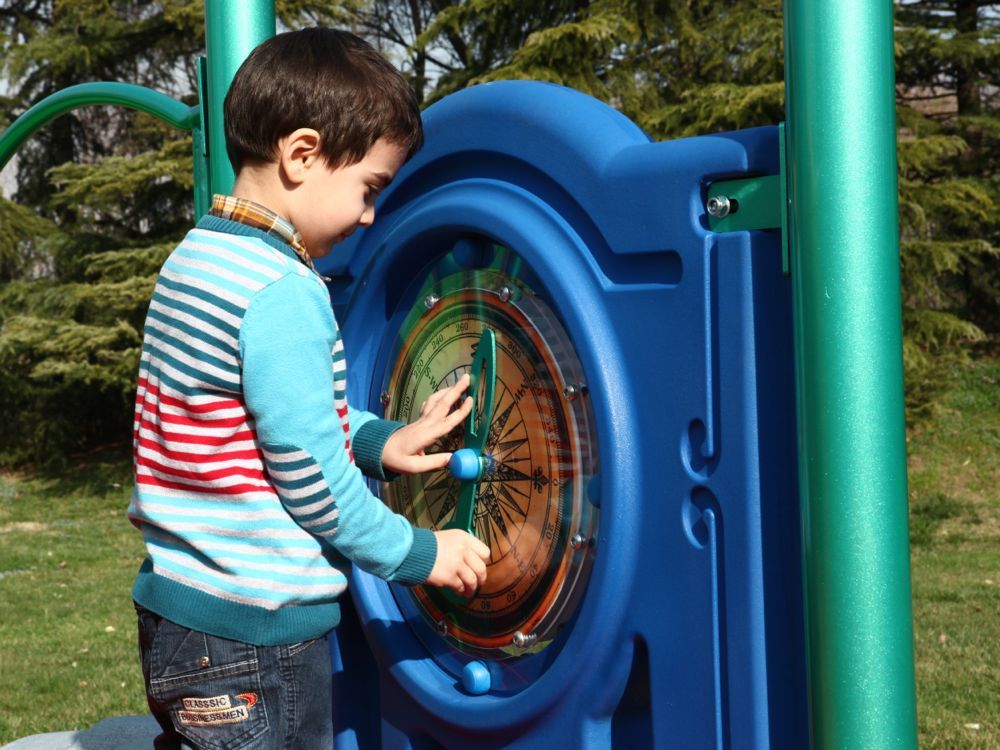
(332, 202)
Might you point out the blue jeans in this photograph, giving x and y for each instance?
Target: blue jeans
(210, 693)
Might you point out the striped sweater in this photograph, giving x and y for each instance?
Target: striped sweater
(247, 492)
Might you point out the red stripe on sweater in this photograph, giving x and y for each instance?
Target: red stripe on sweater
(179, 437)
(237, 489)
(168, 452)
(188, 422)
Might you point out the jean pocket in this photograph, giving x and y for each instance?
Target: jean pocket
(210, 686)
(294, 649)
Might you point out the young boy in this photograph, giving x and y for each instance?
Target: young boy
(249, 489)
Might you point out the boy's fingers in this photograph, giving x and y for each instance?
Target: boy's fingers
(428, 462)
(432, 401)
(446, 398)
(450, 421)
(458, 416)
(478, 567)
(479, 548)
(470, 581)
(453, 393)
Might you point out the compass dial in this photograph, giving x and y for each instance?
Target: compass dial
(531, 507)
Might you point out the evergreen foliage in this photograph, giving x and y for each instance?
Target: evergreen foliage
(703, 66)
(948, 96)
(104, 193)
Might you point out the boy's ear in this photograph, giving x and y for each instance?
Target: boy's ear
(298, 152)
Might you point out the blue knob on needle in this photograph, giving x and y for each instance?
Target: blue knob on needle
(465, 465)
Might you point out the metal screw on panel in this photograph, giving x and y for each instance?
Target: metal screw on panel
(385, 398)
(570, 392)
(523, 641)
(578, 541)
(442, 627)
(719, 206)
(430, 300)
(505, 294)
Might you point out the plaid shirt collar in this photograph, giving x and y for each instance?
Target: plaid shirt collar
(255, 215)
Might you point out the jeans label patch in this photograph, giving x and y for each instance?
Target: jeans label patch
(207, 712)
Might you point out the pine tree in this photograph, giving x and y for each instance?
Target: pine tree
(704, 66)
(948, 70)
(103, 194)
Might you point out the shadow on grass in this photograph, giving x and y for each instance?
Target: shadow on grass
(99, 471)
(928, 513)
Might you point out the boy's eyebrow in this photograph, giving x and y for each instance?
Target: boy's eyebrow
(383, 178)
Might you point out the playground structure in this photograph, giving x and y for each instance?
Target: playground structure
(822, 199)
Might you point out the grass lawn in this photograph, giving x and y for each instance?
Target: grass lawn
(68, 654)
(954, 483)
(68, 556)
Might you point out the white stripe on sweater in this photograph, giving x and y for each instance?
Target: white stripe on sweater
(197, 302)
(217, 251)
(214, 269)
(199, 323)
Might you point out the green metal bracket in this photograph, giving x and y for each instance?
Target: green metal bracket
(753, 203)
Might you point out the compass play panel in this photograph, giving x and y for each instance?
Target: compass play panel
(686, 453)
(630, 460)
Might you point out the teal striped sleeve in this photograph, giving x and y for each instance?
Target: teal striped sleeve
(286, 339)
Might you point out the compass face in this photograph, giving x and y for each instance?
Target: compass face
(531, 507)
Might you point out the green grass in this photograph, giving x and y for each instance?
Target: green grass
(954, 483)
(68, 556)
(68, 654)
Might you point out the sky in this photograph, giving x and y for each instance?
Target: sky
(8, 172)
(7, 178)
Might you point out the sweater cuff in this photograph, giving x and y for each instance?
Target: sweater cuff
(368, 443)
(419, 562)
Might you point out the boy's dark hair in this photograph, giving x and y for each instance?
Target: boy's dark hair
(325, 79)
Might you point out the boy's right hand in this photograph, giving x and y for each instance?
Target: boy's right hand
(460, 563)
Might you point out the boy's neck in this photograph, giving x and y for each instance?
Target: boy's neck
(261, 184)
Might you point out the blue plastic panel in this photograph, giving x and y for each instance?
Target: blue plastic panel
(690, 633)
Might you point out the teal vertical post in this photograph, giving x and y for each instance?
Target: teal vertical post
(852, 445)
(199, 149)
(232, 29)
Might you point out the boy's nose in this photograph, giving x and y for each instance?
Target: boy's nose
(367, 217)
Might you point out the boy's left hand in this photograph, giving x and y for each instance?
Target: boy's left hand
(404, 450)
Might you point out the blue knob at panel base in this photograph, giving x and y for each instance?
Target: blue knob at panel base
(476, 678)
(465, 465)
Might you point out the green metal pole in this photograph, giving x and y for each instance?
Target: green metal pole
(848, 339)
(232, 29)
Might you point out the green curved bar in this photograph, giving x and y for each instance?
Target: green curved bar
(159, 105)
